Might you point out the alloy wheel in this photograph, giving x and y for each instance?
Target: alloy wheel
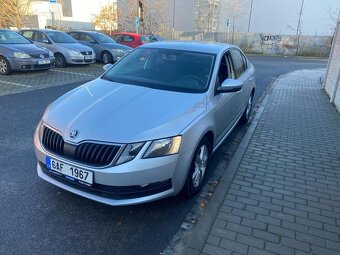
(3, 66)
(248, 110)
(201, 162)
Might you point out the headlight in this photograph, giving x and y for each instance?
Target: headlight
(130, 151)
(118, 50)
(21, 55)
(74, 53)
(50, 53)
(164, 147)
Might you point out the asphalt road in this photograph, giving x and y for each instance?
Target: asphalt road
(38, 218)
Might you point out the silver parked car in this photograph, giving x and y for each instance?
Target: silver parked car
(19, 54)
(146, 128)
(106, 49)
(65, 48)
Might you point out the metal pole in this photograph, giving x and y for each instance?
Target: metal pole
(173, 20)
(298, 29)
(250, 12)
(53, 20)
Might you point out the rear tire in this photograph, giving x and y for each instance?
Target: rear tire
(5, 68)
(198, 169)
(60, 60)
(106, 58)
(246, 114)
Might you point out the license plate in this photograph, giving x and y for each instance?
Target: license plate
(88, 57)
(44, 61)
(69, 172)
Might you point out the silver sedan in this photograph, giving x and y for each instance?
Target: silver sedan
(147, 127)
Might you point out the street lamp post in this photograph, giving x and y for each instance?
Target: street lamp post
(250, 12)
(173, 20)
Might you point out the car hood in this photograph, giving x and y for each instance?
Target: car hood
(74, 46)
(116, 46)
(112, 112)
(27, 48)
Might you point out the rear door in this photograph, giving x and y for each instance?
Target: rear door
(243, 74)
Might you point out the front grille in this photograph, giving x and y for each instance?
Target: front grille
(42, 66)
(115, 192)
(92, 154)
(53, 141)
(96, 154)
(86, 52)
(39, 55)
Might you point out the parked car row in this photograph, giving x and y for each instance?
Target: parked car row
(38, 49)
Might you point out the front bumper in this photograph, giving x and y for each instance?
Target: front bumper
(18, 64)
(134, 182)
(81, 60)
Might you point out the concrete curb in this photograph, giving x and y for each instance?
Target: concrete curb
(197, 240)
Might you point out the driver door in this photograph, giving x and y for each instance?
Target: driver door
(225, 109)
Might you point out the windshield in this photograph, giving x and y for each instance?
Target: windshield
(10, 37)
(60, 37)
(166, 69)
(104, 38)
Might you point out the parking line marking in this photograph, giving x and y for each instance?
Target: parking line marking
(72, 72)
(17, 84)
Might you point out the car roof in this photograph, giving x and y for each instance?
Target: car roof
(40, 30)
(207, 47)
(127, 33)
(84, 31)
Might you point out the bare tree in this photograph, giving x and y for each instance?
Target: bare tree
(14, 13)
(334, 16)
(235, 9)
(152, 15)
(206, 15)
(107, 18)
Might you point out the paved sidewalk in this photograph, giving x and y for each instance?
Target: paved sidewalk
(285, 194)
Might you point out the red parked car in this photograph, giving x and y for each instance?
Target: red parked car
(130, 39)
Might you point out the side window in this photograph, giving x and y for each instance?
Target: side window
(127, 38)
(225, 70)
(238, 63)
(28, 34)
(86, 38)
(117, 38)
(40, 37)
(74, 35)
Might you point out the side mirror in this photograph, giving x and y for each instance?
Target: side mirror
(45, 41)
(107, 67)
(93, 42)
(230, 85)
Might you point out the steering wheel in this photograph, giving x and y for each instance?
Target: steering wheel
(199, 82)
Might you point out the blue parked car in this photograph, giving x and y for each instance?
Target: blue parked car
(107, 50)
(19, 54)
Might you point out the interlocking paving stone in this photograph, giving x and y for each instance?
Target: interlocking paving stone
(22, 81)
(285, 197)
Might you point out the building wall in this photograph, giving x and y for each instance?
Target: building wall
(75, 14)
(332, 79)
(268, 16)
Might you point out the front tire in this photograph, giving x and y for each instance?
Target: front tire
(246, 114)
(5, 68)
(106, 58)
(198, 168)
(60, 60)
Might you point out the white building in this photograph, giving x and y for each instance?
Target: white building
(70, 14)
